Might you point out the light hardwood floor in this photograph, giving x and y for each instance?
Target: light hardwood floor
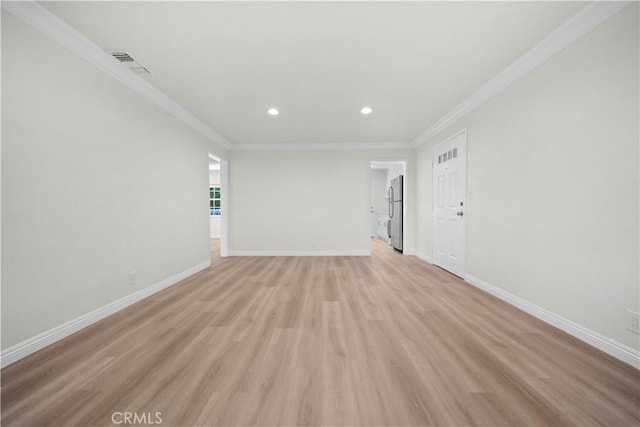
(336, 341)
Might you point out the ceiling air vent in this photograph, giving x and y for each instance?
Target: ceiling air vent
(129, 62)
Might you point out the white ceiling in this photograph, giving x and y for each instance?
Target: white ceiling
(318, 62)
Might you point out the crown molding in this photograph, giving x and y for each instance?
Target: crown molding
(580, 24)
(323, 146)
(56, 29)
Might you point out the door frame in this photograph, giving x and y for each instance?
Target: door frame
(224, 214)
(405, 163)
(224, 202)
(434, 218)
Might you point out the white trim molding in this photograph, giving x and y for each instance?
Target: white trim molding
(612, 347)
(226, 212)
(56, 29)
(299, 253)
(53, 27)
(580, 24)
(323, 146)
(31, 345)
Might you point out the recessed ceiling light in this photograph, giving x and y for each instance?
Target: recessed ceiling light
(366, 110)
(273, 111)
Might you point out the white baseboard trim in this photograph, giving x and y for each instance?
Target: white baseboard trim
(612, 347)
(299, 253)
(31, 345)
(424, 257)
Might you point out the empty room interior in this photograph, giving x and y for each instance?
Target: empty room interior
(366, 213)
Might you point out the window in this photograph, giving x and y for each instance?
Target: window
(214, 200)
(451, 154)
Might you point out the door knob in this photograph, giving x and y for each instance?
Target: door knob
(460, 213)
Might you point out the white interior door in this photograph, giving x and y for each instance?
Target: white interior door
(449, 203)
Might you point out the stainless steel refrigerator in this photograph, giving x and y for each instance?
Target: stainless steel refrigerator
(394, 225)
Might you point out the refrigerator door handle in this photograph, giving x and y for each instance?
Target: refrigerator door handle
(390, 202)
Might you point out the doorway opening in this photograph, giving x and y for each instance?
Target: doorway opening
(218, 205)
(388, 189)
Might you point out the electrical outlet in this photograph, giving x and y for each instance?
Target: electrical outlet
(633, 321)
(132, 278)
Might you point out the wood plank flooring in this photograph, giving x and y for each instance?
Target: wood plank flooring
(385, 340)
